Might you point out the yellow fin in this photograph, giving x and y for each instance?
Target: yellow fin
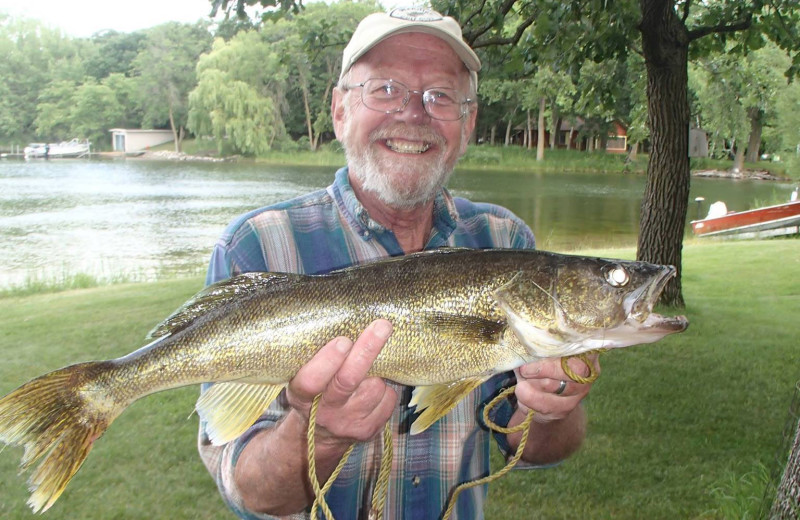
(57, 421)
(229, 409)
(436, 401)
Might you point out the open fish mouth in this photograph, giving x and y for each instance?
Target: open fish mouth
(641, 316)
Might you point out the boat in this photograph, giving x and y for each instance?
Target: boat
(767, 221)
(64, 149)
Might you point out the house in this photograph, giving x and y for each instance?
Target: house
(573, 134)
(136, 140)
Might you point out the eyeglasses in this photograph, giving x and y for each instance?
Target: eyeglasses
(390, 96)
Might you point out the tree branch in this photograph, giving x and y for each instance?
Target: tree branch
(473, 35)
(722, 28)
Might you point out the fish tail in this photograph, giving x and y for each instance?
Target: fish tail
(56, 418)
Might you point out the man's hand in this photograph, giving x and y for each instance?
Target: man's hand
(353, 407)
(539, 382)
(559, 422)
(271, 473)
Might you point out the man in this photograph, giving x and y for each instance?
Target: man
(403, 110)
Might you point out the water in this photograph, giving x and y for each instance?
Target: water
(138, 220)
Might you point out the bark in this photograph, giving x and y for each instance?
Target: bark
(786, 505)
(665, 42)
(541, 130)
(756, 117)
(176, 139)
(529, 131)
(508, 133)
(738, 159)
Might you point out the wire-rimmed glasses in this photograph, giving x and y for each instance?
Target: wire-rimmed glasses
(390, 96)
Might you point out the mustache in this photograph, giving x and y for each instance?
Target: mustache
(410, 132)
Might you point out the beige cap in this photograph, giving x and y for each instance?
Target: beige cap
(378, 26)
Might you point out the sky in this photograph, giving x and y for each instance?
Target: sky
(82, 18)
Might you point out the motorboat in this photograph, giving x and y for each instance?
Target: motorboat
(778, 219)
(64, 149)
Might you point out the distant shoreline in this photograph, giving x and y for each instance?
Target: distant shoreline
(756, 175)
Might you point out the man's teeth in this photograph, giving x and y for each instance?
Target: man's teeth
(408, 146)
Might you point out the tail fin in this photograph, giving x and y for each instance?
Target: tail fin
(57, 417)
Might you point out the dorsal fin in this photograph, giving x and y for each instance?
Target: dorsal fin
(217, 295)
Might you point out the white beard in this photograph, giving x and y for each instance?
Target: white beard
(399, 183)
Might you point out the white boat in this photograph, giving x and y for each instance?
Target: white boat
(73, 148)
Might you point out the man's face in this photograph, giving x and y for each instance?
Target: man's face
(406, 157)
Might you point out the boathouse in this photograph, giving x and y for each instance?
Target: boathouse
(136, 140)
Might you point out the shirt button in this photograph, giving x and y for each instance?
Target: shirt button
(415, 481)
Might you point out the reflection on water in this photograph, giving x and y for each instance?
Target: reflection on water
(138, 219)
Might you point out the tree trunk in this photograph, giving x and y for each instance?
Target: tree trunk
(541, 130)
(508, 132)
(665, 42)
(738, 159)
(756, 117)
(529, 131)
(175, 137)
(307, 108)
(787, 498)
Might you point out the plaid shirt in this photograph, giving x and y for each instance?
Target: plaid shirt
(330, 229)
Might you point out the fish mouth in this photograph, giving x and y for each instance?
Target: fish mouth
(641, 314)
(407, 147)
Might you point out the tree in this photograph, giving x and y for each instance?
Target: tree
(665, 29)
(114, 52)
(165, 72)
(240, 87)
(33, 57)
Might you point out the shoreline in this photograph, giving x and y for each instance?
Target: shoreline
(753, 175)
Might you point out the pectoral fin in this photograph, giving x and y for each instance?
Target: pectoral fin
(436, 401)
(229, 409)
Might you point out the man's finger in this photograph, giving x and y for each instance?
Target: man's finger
(313, 377)
(359, 361)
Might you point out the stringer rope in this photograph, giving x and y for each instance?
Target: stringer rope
(319, 494)
(382, 484)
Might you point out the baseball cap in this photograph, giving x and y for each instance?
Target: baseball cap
(378, 26)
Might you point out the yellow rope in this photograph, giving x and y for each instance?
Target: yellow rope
(524, 426)
(319, 494)
(382, 484)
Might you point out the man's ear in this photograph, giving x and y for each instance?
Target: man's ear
(337, 112)
(469, 127)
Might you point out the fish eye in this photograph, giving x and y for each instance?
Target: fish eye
(617, 276)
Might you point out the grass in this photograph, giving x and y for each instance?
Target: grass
(676, 428)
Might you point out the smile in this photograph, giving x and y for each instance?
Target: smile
(403, 146)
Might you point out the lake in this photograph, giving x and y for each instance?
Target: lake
(140, 220)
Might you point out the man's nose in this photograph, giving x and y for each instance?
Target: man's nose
(414, 110)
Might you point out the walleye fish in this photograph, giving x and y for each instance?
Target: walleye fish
(459, 316)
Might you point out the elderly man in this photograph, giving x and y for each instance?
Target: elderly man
(404, 109)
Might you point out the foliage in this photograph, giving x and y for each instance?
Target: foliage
(230, 109)
(165, 73)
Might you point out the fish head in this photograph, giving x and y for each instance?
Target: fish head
(576, 304)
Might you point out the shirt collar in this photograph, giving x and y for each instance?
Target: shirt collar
(445, 214)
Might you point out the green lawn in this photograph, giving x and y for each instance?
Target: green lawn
(671, 424)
